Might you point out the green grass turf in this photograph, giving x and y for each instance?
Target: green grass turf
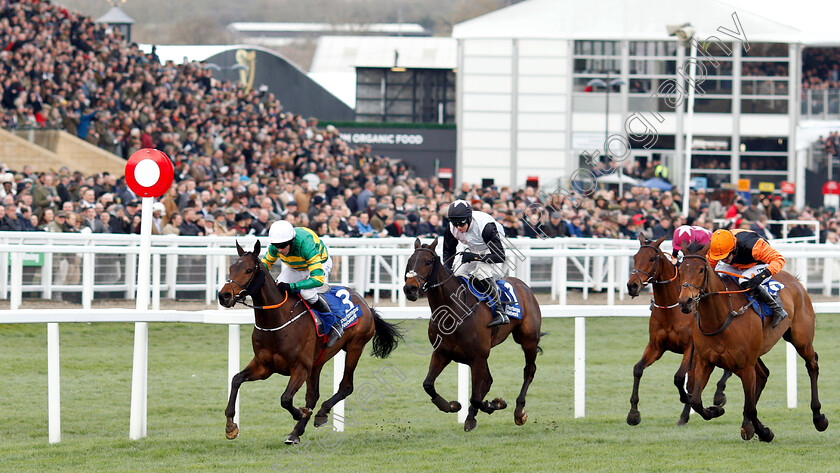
(404, 431)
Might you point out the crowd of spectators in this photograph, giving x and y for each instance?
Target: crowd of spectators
(820, 68)
(242, 161)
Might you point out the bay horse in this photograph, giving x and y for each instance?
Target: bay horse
(285, 341)
(728, 333)
(458, 331)
(669, 328)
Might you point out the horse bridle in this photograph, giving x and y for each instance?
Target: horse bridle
(651, 278)
(245, 290)
(414, 274)
(701, 294)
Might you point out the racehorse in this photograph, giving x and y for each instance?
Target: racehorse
(730, 334)
(285, 341)
(669, 328)
(458, 331)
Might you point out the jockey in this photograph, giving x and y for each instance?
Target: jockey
(482, 235)
(744, 252)
(685, 235)
(307, 267)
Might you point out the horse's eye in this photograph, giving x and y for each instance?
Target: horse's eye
(652, 260)
(428, 262)
(249, 271)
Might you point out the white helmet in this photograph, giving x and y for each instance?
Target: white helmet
(281, 231)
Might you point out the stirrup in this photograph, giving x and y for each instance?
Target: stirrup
(499, 318)
(335, 333)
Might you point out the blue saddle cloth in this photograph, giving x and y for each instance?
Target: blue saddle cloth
(773, 287)
(506, 293)
(342, 308)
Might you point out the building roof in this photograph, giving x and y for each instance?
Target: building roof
(622, 19)
(345, 53)
(329, 28)
(114, 16)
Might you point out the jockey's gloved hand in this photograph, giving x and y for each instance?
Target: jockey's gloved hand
(284, 286)
(466, 257)
(756, 280)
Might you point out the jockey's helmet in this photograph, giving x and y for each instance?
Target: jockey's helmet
(459, 213)
(281, 233)
(723, 242)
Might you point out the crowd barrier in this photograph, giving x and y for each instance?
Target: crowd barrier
(79, 267)
(236, 317)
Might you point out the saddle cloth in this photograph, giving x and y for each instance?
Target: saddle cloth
(773, 287)
(506, 293)
(342, 308)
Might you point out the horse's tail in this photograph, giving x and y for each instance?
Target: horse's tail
(386, 338)
(539, 348)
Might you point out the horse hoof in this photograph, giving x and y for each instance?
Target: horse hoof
(231, 431)
(305, 412)
(747, 431)
(292, 439)
(320, 420)
(454, 406)
(498, 404)
(521, 418)
(715, 411)
(767, 435)
(720, 400)
(683, 421)
(821, 423)
(633, 418)
(469, 424)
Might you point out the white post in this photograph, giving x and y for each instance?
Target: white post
(791, 376)
(139, 374)
(376, 268)
(580, 367)
(16, 295)
(463, 391)
(87, 280)
(233, 362)
(53, 383)
(338, 374)
(156, 281)
(562, 279)
(610, 280)
(689, 127)
(47, 275)
(401, 263)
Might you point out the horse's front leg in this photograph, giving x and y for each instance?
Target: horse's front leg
(254, 371)
(700, 372)
(748, 379)
(720, 397)
(436, 365)
(298, 376)
(652, 353)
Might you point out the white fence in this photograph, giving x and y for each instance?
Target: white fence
(235, 318)
(81, 266)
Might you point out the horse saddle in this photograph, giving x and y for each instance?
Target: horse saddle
(342, 309)
(507, 296)
(762, 309)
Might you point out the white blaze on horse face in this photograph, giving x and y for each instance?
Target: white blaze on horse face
(410, 274)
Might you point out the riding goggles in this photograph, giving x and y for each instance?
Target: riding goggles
(280, 246)
(460, 221)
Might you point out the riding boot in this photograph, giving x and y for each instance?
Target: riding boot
(779, 313)
(499, 316)
(335, 333)
(321, 304)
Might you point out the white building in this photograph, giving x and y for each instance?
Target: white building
(524, 108)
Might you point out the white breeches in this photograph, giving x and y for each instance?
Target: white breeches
(290, 276)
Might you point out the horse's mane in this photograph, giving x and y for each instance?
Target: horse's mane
(695, 248)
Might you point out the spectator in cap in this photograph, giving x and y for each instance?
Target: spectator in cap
(397, 228)
(381, 217)
(555, 227)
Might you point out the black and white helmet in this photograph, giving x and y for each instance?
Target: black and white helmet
(460, 213)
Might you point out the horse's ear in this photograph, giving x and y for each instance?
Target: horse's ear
(417, 243)
(705, 249)
(659, 241)
(641, 238)
(433, 245)
(239, 249)
(257, 248)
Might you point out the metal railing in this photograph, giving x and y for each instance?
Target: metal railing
(81, 266)
(820, 104)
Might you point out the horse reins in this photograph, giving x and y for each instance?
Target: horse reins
(701, 295)
(244, 291)
(413, 273)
